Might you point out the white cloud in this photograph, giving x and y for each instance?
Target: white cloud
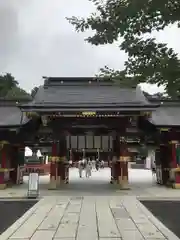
(36, 40)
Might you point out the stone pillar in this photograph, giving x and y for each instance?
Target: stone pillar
(53, 167)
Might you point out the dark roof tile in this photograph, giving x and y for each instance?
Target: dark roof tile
(11, 116)
(166, 116)
(82, 95)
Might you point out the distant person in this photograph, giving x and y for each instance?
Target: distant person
(102, 164)
(88, 169)
(153, 168)
(93, 164)
(84, 161)
(97, 164)
(70, 163)
(80, 168)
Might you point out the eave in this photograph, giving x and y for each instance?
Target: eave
(80, 108)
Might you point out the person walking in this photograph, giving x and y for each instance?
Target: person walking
(97, 164)
(102, 164)
(80, 168)
(88, 169)
(93, 164)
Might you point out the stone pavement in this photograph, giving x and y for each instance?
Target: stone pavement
(88, 218)
(92, 210)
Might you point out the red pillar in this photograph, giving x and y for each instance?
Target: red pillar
(3, 166)
(173, 156)
(174, 164)
(3, 157)
(54, 149)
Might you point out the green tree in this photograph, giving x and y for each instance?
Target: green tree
(148, 61)
(7, 82)
(9, 88)
(17, 93)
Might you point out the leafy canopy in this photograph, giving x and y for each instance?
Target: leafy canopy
(9, 88)
(148, 61)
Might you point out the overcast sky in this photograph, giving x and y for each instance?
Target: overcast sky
(36, 40)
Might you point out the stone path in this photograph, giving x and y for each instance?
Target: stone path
(92, 210)
(88, 218)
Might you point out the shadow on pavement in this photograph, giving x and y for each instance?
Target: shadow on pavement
(10, 211)
(168, 212)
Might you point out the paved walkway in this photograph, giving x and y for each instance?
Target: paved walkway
(118, 215)
(88, 218)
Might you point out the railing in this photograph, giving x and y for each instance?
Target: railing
(42, 169)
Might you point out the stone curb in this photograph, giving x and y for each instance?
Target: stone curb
(158, 198)
(13, 228)
(161, 227)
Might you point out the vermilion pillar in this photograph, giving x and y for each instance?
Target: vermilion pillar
(175, 160)
(173, 154)
(3, 157)
(3, 153)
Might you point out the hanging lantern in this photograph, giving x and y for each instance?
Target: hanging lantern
(31, 114)
(2, 143)
(44, 120)
(143, 151)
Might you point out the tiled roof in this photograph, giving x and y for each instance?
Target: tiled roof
(73, 92)
(11, 116)
(166, 115)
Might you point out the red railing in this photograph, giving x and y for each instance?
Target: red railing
(42, 169)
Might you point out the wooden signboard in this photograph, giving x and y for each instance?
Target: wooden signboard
(33, 185)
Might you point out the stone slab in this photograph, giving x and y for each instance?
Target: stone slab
(131, 235)
(125, 224)
(69, 224)
(44, 235)
(70, 218)
(106, 223)
(66, 231)
(150, 231)
(87, 228)
(110, 238)
(64, 239)
(52, 221)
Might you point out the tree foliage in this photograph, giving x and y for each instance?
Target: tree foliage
(133, 20)
(9, 88)
(18, 94)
